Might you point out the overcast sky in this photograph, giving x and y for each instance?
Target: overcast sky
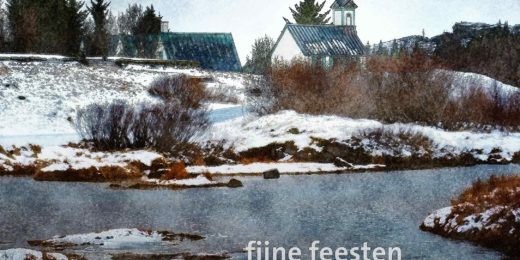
(376, 19)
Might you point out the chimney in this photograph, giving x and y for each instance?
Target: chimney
(165, 26)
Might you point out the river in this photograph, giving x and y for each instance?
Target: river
(383, 209)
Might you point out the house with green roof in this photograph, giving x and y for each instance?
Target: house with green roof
(322, 44)
(212, 51)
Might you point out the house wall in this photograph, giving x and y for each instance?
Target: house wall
(287, 49)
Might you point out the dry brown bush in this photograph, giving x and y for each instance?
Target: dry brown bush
(412, 88)
(504, 191)
(187, 91)
(176, 171)
(163, 127)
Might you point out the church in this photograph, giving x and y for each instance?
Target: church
(322, 44)
(211, 51)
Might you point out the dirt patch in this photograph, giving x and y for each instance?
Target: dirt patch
(4, 71)
(152, 186)
(18, 170)
(92, 174)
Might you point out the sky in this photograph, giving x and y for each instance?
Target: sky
(376, 19)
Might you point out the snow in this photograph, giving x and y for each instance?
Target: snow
(40, 99)
(284, 168)
(489, 219)
(464, 81)
(193, 182)
(440, 215)
(37, 56)
(252, 132)
(219, 106)
(21, 254)
(65, 158)
(114, 238)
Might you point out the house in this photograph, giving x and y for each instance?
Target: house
(213, 51)
(322, 44)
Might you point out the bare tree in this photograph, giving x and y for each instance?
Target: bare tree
(112, 27)
(128, 20)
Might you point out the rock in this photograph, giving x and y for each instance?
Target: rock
(272, 174)
(338, 162)
(234, 183)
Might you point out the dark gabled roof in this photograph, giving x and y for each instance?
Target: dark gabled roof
(214, 51)
(326, 40)
(343, 3)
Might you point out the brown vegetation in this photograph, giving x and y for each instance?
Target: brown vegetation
(493, 204)
(92, 174)
(504, 190)
(163, 127)
(187, 91)
(411, 88)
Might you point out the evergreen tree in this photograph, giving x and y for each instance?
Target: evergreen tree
(3, 27)
(147, 32)
(75, 33)
(381, 50)
(395, 50)
(99, 12)
(22, 17)
(112, 27)
(46, 26)
(309, 12)
(260, 60)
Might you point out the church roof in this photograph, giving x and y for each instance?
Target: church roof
(343, 3)
(326, 40)
(214, 51)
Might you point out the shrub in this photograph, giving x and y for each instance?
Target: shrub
(187, 91)
(163, 127)
(398, 141)
(495, 191)
(410, 89)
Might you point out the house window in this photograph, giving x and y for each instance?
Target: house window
(349, 19)
(327, 62)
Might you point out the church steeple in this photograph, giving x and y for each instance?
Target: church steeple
(344, 12)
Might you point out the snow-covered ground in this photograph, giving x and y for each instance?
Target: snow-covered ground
(64, 158)
(193, 182)
(283, 168)
(466, 81)
(115, 238)
(250, 132)
(40, 99)
(23, 254)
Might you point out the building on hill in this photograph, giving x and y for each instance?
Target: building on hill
(322, 44)
(213, 51)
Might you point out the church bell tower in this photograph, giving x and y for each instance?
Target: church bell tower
(344, 12)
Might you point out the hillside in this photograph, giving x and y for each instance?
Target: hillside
(41, 98)
(465, 32)
(489, 49)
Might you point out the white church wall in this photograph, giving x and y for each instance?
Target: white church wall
(287, 49)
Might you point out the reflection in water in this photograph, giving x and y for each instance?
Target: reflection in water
(384, 209)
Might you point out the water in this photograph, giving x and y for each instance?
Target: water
(384, 209)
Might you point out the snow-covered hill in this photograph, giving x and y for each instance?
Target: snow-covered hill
(41, 98)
